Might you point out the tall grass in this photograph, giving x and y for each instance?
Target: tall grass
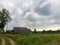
(35, 39)
(0, 39)
(7, 41)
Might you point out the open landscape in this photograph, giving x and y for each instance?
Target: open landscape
(33, 39)
(29, 22)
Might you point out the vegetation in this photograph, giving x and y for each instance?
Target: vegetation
(35, 39)
(34, 30)
(4, 18)
(7, 41)
(51, 32)
(0, 38)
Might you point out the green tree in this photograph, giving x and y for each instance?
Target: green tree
(4, 18)
(34, 30)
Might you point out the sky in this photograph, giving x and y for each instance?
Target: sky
(39, 14)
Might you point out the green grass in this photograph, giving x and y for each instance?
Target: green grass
(7, 41)
(0, 39)
(35, 39)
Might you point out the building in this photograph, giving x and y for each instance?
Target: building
(17, 30)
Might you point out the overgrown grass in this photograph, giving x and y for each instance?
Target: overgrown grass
(35, 39)
(7, 41)
(0, 39)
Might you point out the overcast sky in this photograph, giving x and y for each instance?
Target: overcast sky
(40, 14)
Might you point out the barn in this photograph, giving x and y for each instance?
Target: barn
(18, 30)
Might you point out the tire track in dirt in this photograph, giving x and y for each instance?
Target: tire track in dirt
(12, 42)
(3, 42)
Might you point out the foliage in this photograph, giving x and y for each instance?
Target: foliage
(0, 39)
(7, 41)
(34, 30)
(4, 18)
(35, 39)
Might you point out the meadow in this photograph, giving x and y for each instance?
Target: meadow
(0, 38)
(35, 39)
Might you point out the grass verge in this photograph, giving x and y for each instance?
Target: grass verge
(7, 41)
(0, 39)
(35, 39)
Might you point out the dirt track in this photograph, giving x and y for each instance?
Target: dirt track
(4, 42)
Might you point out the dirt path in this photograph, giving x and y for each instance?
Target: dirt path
(3, 42)
(12, 42)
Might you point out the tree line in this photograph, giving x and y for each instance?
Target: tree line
(44, 31)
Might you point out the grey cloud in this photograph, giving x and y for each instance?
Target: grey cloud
(44, 10)
(44, 18)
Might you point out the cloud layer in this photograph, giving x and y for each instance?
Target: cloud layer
(40, 14)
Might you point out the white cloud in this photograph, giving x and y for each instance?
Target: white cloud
(19, 11)
(24, 14)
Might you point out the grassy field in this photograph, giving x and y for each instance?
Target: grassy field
(35, 39)
(0, 39)
(7, 41)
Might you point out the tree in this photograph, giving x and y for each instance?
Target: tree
(34, 30)
(44, 31)
(4, 18)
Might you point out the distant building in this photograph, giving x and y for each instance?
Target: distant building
(21, 30)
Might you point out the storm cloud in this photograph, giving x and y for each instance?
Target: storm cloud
(42, 14)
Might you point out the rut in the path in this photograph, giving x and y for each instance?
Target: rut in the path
(12, 42)
(3, 42)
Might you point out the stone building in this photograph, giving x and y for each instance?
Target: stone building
(21, 30)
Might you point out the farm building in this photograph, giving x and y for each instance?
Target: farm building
(21, 30)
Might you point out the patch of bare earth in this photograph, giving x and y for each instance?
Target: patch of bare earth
(3, 42)
(12, 42)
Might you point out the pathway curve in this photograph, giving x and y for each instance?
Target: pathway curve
(3, 42)
(12, 42)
